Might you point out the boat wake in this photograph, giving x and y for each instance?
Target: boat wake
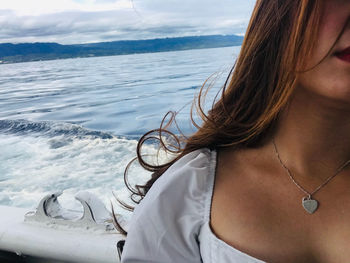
(43, 157)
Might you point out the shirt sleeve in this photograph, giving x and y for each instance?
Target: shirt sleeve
(165, 225)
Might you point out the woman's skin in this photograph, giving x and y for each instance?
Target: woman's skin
(256, 207)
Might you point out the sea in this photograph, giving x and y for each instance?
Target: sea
(72, 125)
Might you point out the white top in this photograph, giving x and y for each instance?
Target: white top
(171, 224)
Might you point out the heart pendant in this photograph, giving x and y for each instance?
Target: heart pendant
(310, 205)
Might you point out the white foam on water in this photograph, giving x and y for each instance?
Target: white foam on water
(33, 166)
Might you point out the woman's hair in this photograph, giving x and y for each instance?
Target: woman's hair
(276, 47)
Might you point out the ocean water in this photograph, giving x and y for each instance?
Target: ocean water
(72, 125)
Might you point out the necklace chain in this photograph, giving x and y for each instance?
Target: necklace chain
(298, 185)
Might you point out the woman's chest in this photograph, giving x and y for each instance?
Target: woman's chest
(278, 243)
(214, 249)
(269, 223)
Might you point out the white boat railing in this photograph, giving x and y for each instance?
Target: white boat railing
(61, 235)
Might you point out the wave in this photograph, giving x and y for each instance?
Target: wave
(50, 129)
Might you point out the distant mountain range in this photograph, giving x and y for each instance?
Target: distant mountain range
(11, 53)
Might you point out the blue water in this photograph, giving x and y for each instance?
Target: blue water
(72, 124)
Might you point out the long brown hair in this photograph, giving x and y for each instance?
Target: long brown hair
(278, 41)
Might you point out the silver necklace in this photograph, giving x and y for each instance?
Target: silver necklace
(309, 204)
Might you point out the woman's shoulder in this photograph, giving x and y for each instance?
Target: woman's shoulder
(166, 224)
(190, 173)
(194, 165)
(186, 183)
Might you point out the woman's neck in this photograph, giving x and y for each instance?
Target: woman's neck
(313, 135)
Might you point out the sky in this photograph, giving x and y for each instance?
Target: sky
(88, 21)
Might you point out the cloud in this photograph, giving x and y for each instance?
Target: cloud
(42, 7)
(83, 21)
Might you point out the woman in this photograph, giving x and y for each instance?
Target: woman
(265, 177)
